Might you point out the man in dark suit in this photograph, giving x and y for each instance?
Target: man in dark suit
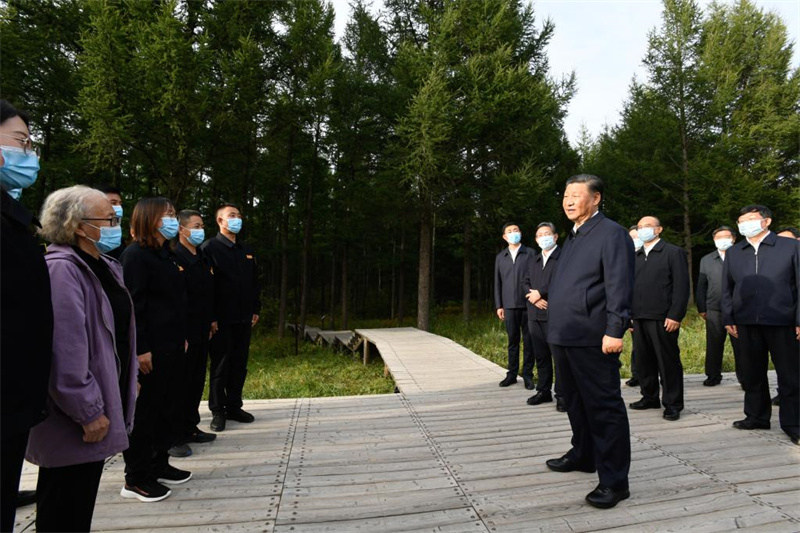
(660, 297)
(510, 266)
(535, 286)
(589, 312)
(633, 231)
(761, 307)
(709, 305)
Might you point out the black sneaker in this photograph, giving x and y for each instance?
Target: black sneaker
(201, 436)
(240, 415)
(146, 491)
(180, 450)
(510, 380)
(174, 476)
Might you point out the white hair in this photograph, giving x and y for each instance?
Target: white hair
(63, 210)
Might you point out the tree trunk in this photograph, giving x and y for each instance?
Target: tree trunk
(687, 226)
(284, 293)
(394, 281)
(467, 282)
(344, 287)
(401, 277)
(425, 260)
(332, 309)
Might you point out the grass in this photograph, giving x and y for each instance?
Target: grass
(274, 371)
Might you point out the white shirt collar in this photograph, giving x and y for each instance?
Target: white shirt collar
(649, 245)
(757, 244)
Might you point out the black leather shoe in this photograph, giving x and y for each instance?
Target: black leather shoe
(633, 382)
(565, 464)
(26, 497)
(218, 422)
(776, 400)
(240, 415)
(510, 380)
(201, 436)
(645, 403)
(795, 439)
(560, 407)
(712, 382)
(750, 424)
(671, 414)
(528, 383)
(542, 396)
(180, 450)
(606, 498)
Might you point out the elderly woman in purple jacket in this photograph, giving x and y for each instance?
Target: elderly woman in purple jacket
(92, 390)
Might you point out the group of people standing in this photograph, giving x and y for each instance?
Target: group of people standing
(571, 307)
(105, 348)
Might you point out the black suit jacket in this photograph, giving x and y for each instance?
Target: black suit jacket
(661, 289)
(592, 287)
(508, 276)
(237, 292)
(709, 283)
(762, 289)
(538, 278)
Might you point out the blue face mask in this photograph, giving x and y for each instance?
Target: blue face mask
(16, 194)
(514, 237)
(750, 228)
(637, 244)
(196, 236)
(19, 170)
(169, 227)
(117, 210)
(234, 224)
(647, 234)
(546, 242)
(110, 238)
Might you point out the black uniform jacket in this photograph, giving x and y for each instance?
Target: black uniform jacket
(661, 289)
(199, 278)
(236, 287)
(26, 341)
(508, 275)
(158, 289)
(538, 278)
(592, 287)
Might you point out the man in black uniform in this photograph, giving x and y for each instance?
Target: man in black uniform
(26, 341)
(237, 305)
(660, 297)
(536, 285)
(200, 325)
(510, 267)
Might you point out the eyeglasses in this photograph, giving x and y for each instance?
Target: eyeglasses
(113, 221)
(28, 146)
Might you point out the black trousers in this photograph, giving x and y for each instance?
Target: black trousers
(230, 348)
(658, 355)
(12, 454)
(715, 346)
(634, 359)
(517, 328)
(194, 380)
(781, 343)
(155, 426)
(541, 352)
(65, 497)
(590, 387)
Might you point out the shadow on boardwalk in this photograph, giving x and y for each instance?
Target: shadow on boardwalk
(454, 452)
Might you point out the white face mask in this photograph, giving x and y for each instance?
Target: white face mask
(637, 244)
(723, 244)
(546, 242)
(514, 237)
(750, 228)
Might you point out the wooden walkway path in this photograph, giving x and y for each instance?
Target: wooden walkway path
(453, 452)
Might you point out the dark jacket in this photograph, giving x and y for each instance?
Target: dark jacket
(508, 277)
(538, 278)
(199, 278)
(158, 289)
(236, 287)
(26, 332)
(708, 295)
(762, 289)
(85, 376)
(592, 287)
(661, 287)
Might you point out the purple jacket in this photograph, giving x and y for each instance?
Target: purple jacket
(84, 382)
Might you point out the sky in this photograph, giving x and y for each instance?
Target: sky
(603, 42)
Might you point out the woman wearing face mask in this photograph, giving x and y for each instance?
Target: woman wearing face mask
(157, 286)
(92, 388)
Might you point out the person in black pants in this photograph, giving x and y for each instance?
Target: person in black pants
(26, 337)
(510, 267)
(200, 324)
(660, 297)
(709, 302)
(237, 305)
(588, 314)
(761, 307)
(157, 286)
(535, 286)
(633, 231)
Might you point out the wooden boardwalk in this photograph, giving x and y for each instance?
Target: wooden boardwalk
(453, 452)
